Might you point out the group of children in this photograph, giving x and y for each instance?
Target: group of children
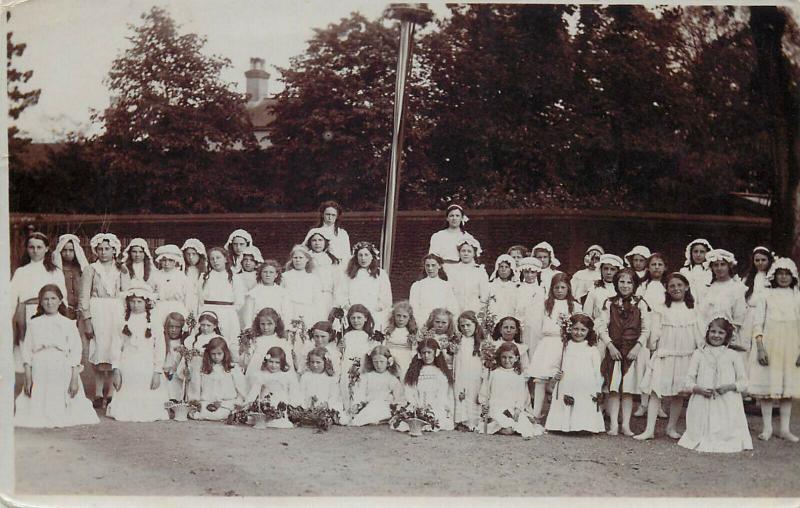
(522, 350)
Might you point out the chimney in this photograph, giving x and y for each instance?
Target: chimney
(257, 80)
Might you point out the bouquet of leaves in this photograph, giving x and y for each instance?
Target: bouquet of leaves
(487, 353)
(297, 331)
(186, 356)
(486, 317)
(378, 337)
(353, 376)
(191, 322)
(318, 415)
(262, 406)
(453, 344)
(247, 338)
(401, 413)
(194, 405)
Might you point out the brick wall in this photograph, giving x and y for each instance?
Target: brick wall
(570, 232)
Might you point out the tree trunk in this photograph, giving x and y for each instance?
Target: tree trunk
(773, 83)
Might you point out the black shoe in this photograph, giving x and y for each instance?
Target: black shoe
(97, 402)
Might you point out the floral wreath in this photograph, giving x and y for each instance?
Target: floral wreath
(370, 247)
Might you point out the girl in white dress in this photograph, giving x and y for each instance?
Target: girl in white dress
(652, 289)
(583, 280)
(775, 361)
(355, 345)
(724, 296)
(219, 296)
(101, 307)
(603, 290)
(137, 259)
(303, 288)
(575, 406)
(715, 419)
(544, 252)
(51, 353)
(529, 301)
(546, 358)
(755, 280)
(445, 243)
(366, 283)
(505, 393)
(624, 326)
(37, 270)
(222, 385)
(468, 372)
(441, 327)
(468, 278)
(327, 267)
(269, 332)
(433, 289)
(503, 284)
(195, 265)
(677, 331)
(138, 362)
(637, 259)
(378, 387)
(330, 212)
(429, 382)
(246, 279)
(319, 383)
(170, 283)
(235, 245)
(401, 335)
(695, 268)
(276, 380)
(207, 328)
(322, 336)
(267, 292)
(508, 329)
(173, 337)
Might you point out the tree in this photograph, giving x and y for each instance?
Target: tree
(170, 124)
(774, 82)
(19, 100)
(331, 137)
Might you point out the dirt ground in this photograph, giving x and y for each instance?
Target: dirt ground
(205, 458)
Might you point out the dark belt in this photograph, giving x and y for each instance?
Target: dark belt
(214, 302)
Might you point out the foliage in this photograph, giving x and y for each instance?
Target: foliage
(401, 413)
(318, 415)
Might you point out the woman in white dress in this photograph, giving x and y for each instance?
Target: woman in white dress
(267, 292)
(755, 280)
(329, 215)
(170, 283)
(445, 243)
(724, 296)
(433, 290)
(468, 278)
(695, 268)
(503, 284)
(303, 287)
(137, 259)
(237, 241)
(196, 265)
(218, 295)
(366, 283)
(327, 267)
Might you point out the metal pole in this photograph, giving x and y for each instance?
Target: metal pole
(409, 15)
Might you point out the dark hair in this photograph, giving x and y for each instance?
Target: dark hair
(412, 322)
(115, 259)
(647, 275)
(478, 337)
(212, 319)
(412, 375)
(691, 247)
(392, 367)
(47, 261)
(369, 324)
(321, 352)
(688, 297)
(450, 209)
(520, 248)
(774, 282)
(497, 333)
(216, 343)
(508, 346)
(731, 273)
(626, 271)
(62, 308)
(551, 299)
(325, 326)
(147, 306)
(334, 205)
(752, 271)
(325, 249)
(599, 283)
(274, 352)
(451, 329)
(227, 264)
(585, 320)
(374, 268)
(202, 261)
(269, 262)
(280, 328)
(147, 262)
(441, 274)
(725, 325)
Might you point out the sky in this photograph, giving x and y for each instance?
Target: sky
(71, 44)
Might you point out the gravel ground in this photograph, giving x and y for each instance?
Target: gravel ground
(205, 458)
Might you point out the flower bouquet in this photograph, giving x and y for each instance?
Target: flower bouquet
(353, 376)
(487, 354)
(247, 339)
(418, 418)
(191, 322)
(486, 317)
(180, 409)
(378, 337)
(453, 344)
(319, 415)
(297, 331)
(258, 413)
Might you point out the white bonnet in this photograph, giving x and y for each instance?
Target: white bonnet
(194, 243)
(641, 250)
(688, 253)
(782, 264)
(611, 259)
(549, 248)
(241, 233)
(111, 238)
(76, 243)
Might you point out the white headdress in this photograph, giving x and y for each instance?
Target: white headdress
(194, 243)
(611, 259)
(504, 258)
(530, 263)
(241, 233)
(140, 289)
(137, 242)
(688, 254)
(549, 248)
(252, 250)
(720, 255)
(324, 233)
(111, 238)
(76, 244)
(471, 241)
(782, 264)
(641, 250)
(170, 251)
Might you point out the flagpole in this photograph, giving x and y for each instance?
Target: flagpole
(409, 16)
